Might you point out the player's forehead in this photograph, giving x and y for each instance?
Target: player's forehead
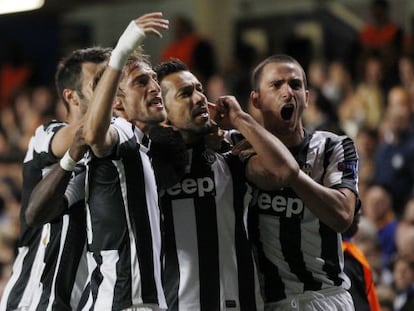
(282, 70)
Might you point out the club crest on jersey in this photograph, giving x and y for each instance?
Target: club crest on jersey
(209, 156)
(348, 167)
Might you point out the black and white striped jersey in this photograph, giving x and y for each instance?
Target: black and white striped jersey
(297, 252)
(47, 274)
(208, 258)
(124, 233)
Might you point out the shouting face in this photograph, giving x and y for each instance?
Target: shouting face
(281, 97)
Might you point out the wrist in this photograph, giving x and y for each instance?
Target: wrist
(67, 163)
(131, 38)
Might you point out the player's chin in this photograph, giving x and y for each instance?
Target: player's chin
(157, 117)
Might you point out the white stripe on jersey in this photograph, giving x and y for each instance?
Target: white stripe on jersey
(106, 288)
(35, 289)
(17, 269)
(182, 198)
(186, 239)
(64, 231)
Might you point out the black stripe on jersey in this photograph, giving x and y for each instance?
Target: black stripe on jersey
(243, 248)
(329, 253)
(207, 238)
(122, 294)
(84, 298)
(97, 276)
(350, 158)
(73, 250)
(171, 272)
(273, 287)
(290, 240)
(139, 212)
(329, 148)
(50, 260)
(19, 287)
(291, 233)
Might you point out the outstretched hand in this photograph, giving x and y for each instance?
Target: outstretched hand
(134, 34)
(152, 23)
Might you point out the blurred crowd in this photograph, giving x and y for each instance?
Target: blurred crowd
(373, 103)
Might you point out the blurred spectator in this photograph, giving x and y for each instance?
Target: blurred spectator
(15, 72)
(321, 112)
(378, 209)
(408, 214)
(196, 52)
(406, 75)
(365, 107)
(339, 86)
(383, 37)
(405, 241)
(394, 160)
(366, 143)
(386, 297)
(404, 284)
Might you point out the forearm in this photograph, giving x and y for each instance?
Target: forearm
(273, 154)
(47, 200)
(334, 207)
(99, 114)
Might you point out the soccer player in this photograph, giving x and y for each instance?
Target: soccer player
(299, 240)
(48, 271)
(124, 234)
(208, 260)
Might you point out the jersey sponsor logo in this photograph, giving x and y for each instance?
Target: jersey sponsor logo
(190, 187)
(280, 205)
(348, 167)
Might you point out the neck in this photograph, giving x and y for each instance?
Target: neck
(190, 138)
(144, 127)
(291, 139)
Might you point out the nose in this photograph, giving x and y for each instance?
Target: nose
(287, 91)
(199, 98)
(154, 86)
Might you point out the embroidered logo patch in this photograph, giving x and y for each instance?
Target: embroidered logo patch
(349, 167)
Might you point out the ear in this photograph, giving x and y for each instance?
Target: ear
(118, 104)
(70, 96)
(254, 99)
(306, 98)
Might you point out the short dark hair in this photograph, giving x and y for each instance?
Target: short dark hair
(168, 67)
(69, 69)
(277, 58)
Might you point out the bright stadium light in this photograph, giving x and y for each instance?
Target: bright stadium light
(13, 6)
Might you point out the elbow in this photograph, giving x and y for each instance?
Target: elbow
(31, 218)
(90, 137)
(343, 220)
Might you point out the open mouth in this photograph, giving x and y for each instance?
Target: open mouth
(287, 112)
(156, 101)
(200, 112)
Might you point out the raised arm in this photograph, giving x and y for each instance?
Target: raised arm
(47, 200)
(273, 167)
(97, 131)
